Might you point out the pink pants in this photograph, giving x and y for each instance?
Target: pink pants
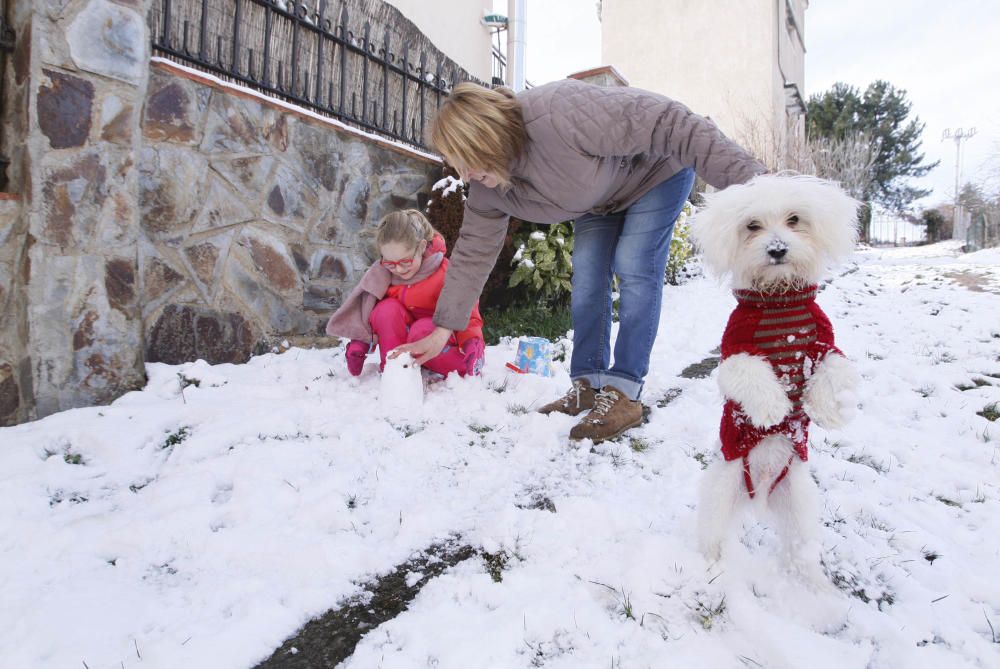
(395, 325)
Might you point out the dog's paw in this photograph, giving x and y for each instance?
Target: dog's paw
(767, 410)
(829, 397)
(749, 381)
(712, 550)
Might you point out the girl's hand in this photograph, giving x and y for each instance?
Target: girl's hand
(424, 349)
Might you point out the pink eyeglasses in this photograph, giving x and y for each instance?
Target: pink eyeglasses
(403, 264)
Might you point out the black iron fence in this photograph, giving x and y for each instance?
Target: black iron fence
(6, 46)
(309, 54)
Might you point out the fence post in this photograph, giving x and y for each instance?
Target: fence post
(234, 61)
(165, 36)
(385, 76)
(364, 71)
(422, 87)
(203, 37)
(7, 41)
(266, 78)
(297, 9)
(343, 58)
(320, 36)
(406, 75)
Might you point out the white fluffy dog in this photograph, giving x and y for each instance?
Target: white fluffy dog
(774, 236)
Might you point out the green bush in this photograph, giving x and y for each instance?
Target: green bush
(544, 263)
(681, 248)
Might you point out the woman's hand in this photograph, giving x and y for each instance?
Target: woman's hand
(424, 349)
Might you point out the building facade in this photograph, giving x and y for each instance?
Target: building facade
(739, 62)
(456, 28)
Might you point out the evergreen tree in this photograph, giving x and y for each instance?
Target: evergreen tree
(881, 113)
(937, 224)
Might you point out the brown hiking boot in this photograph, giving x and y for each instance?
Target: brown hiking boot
(578, 399)
(613, 413)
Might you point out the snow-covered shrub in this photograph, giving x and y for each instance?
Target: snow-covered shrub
(681, 249)
(543, 263)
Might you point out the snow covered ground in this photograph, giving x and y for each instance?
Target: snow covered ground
(199, 526)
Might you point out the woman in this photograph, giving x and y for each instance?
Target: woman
(620, 162)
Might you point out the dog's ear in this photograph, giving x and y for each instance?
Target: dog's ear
(715, 227)
(832, 214)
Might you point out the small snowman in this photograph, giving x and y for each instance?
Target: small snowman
(402, 387)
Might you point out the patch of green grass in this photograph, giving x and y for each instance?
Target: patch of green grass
(499, 387)
(638, 444)
(527, 320)
(626, 603)
(495, 564)
(518, 409)
(707, 612)
(947, 502)
(668, 397)
(850, 584)
(73, 459)
(867, 461)
(410, 430)
(480, 429)
(702, 459)
(990, 412)
(977, 382)
(61, 496)
(175, 438)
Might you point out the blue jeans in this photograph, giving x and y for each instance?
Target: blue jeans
(634, 245)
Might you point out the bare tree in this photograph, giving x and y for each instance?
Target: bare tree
(849, 161)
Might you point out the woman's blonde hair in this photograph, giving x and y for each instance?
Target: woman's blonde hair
(407, 227)
(478, 128)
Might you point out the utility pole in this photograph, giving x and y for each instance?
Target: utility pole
(958, 135)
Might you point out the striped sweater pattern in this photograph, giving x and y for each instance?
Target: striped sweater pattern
(793, 333)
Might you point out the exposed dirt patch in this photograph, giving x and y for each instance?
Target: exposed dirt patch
(330, 639)
(977, 283)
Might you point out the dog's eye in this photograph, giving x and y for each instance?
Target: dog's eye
(754, 226)
(793, 220)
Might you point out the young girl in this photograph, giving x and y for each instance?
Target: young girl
(396, 298)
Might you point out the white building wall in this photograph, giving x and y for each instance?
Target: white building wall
(720, 58)
(456, 29)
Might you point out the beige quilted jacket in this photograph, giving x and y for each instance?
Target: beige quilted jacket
(589, 149)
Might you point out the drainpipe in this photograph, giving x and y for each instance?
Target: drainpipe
(517, 15)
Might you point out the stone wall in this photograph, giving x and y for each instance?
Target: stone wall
(159, 216)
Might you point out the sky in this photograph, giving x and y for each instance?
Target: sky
(945, 56)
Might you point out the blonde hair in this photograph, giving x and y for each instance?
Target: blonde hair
(407, 227)
(478, 128)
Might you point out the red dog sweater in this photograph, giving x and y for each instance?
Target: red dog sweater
(793, 333)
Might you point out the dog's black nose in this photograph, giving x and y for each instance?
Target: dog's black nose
(777, 253)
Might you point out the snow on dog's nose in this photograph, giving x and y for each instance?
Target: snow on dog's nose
(777, 249)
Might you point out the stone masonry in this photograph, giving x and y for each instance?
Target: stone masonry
(160, 216)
